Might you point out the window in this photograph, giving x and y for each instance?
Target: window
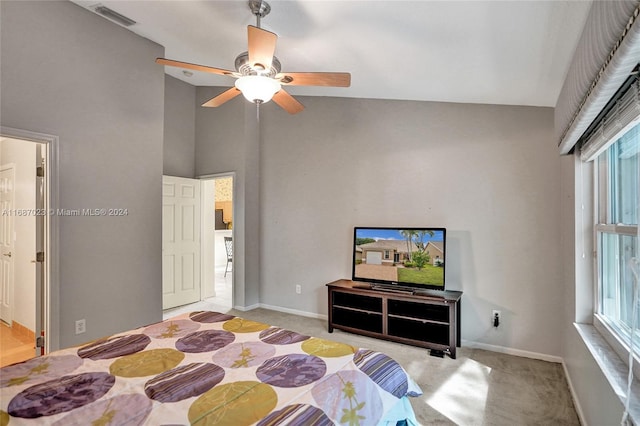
(616, 233)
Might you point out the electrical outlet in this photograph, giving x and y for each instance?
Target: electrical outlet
(496, 317)
(81, 326)
(298, 289)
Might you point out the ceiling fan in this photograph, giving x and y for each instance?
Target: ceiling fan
(258, 71)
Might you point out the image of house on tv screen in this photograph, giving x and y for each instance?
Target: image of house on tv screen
(400, 255)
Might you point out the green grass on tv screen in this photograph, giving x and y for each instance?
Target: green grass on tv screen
(429, 274)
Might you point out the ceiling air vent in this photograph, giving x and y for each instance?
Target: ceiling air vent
(112, 15)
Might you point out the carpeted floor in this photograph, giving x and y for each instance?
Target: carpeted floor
(478, 388)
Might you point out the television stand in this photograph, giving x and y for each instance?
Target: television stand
(429, 319)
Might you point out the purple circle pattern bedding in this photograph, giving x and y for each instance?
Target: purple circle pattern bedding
(236, 403)
(146, 363)
(171, 329)
(128, 409)
(38, 369)
(242, 355)
(341, 396)
(297, 414)
(280, 336)
(290, 371)
(184, 382)
(209, 317)
(382, 370)
(241, 325)
(115, 347)
(204, 341)
(205, 368)
(60, 395)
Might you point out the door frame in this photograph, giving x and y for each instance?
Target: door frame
(48, 320)
(11, 290)
(214, 176)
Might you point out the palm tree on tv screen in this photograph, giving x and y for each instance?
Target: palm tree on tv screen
(420, 237)
(416, 237)
(408, 234)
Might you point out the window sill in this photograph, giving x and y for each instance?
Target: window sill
(613, 368)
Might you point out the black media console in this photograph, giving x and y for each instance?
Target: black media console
(426, 318)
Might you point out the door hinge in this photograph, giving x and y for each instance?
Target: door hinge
(40, 256)
(40, 342)
(40, 171)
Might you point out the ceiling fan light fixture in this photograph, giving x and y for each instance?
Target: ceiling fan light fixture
(258, 70)
(257, 88)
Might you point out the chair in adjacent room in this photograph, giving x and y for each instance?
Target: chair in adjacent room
(228, 245)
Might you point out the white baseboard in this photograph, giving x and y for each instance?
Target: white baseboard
(574, 396)
(247, 308)
(293, 311)
(511, 351)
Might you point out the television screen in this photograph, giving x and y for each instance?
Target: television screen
(402, 257)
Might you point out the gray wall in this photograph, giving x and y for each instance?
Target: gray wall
(488, 173)
(67, 72)
(228, 140)
(179, 128)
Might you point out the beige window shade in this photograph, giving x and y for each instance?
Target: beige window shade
(623, 116)
(608, 52)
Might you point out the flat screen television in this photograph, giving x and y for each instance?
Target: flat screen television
(403, 258)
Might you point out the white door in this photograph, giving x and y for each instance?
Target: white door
(180, 241)
(7, 179)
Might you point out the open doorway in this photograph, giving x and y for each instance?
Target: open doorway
(215, 243)
(25, 244)
(217, 239)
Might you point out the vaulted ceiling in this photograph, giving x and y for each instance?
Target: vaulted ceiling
(494, 52)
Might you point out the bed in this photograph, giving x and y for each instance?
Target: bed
(207, 367)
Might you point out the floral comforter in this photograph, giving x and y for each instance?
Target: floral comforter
(207, 368)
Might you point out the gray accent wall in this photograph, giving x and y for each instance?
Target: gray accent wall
(228, 139)
(70, 73)
(489, 174)
(179, 128)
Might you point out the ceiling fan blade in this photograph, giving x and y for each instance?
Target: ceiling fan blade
(287, 102)
(262, 46)
(195, 67)
(333, 79)
(223, 97)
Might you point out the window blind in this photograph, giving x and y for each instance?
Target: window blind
(621, 117)
(607, 53)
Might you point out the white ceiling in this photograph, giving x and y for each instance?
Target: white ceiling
(494, 52)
